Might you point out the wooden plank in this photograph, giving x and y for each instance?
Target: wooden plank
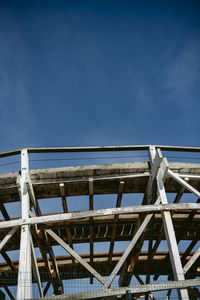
(24, 286)
(171, 238)
(52, 269)
(9, 262)
(65, 208)
(4, 211)
(114, 230)
(183, 183)
(8, 237)
(188, 250)
(62, 192)
(191, 261)
(9, 293)
(76, 256)
(160, 237)
(35, 269)
(100, 213)
(32, 195)
(46, 288)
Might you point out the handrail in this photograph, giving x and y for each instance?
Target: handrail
(100, 149)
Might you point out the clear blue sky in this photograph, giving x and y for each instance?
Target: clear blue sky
(78, 73)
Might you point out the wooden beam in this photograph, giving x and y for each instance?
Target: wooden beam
(181, 233)
(183, 183)
(191, 261)
(129, 249)
(162, 233)
(24, 286)
(150, 244)
(32, 195)
(114, 230)
(76, 256)
(44, 243)
(63, 196)
(188, 250)
(8, 260)
(57, 218)
(8, 237)
(156, 162)
(46, 288)
(4, 211)
(65, 208)
(100, 149)
(35, 269)
(169, 233)
(91, 207)
(9, 293)
(179, 195)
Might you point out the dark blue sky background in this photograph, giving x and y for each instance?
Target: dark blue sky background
(78, 73)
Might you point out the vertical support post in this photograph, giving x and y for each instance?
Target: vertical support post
(169, 228)
(91, 207)
(24, 289)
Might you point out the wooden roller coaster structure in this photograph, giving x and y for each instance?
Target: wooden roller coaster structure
(156, 219)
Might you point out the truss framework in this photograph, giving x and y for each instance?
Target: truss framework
(154, 220)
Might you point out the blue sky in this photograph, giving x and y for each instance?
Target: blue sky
(80, 73)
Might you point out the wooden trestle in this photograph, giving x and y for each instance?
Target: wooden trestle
(154, 220)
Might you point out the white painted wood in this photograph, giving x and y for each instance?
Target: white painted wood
(35, 269)
(156, 208)
(24, 288)
(32, 195)
(191, 261)
(183, 183)
(8, 237)
(170, 234)
(76, 256)
(128, 250)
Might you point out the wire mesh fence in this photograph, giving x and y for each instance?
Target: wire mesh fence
(78, 286)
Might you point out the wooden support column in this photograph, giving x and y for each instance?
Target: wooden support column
(149, 197)
(24, 288)
(91, 207)
(148, 265)
(35, 269)
(169, 229)
(65, 208)
(181, 232)
(162, 233)
(114, 229)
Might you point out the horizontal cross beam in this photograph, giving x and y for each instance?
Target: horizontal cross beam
(102, 212)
